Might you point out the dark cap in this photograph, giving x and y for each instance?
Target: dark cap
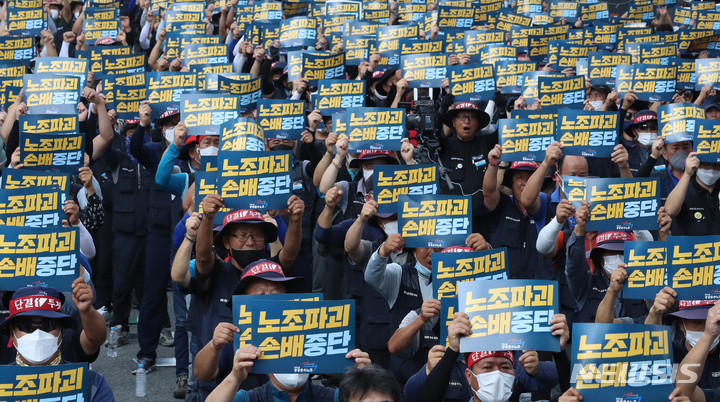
(613, 240)
(246, 216)
(482, 117)
(601, 88)
(367, 155)
(35, 301)
(517, 166)
(640, 118)
(269, 271)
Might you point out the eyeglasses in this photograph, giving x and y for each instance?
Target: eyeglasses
(470, 117)
(685, 92)
(629, 116)
(649, 126)
(29, 326)
(243, 237)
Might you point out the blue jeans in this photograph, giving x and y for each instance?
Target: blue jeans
(182, 358)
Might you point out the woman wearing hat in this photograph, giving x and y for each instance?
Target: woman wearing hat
(36, 327)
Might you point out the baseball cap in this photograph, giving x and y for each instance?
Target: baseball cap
(166, 114)
(269, 271)
(483, 118)
(35, 301)
(279, 65)
(190, 142)
(613, 240)
(640, 117)
(245, 216)
(710, 102)
(368, 155)
(517, 166)
(477, 356)
(693, 309)
(601, 88)
(457, 249)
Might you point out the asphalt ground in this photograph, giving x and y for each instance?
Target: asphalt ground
(118, 371)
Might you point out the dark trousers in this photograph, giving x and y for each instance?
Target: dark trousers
(128, 269)
(153, 308)
(182, 359)
(102, 264)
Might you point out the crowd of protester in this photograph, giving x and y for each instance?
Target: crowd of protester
(144, 244)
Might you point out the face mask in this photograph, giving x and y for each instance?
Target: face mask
(54, 13)
(349, 158)
(367, 174)
(494, 386)
(381, 97)
(246, 257)
(708, 176)
(692, 337)
(677, 161)
(597, 105)
(390, 227)
(37, 347)
(282, 148)
(646, 139)
(77, 15)
(170, 135)
(611, 262)
(292, 380)
(209, 151)
(422, 270)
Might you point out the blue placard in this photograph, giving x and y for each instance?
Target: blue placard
(122, 64)
(623, 79)
(623, 204)
(52, 152)
(654, 83)
(26, 22)
(38, 180)
(41, 256)
(371, 128)
(322, 67)
(707, 140)
(124, 93)
(509, 314)
(296, 336)
(255, 180)
(677, 121)
(205, 184)
(241, 134)
(203, 114)
(392, 181)
(63, 124)
(561, 92)
(281, 119)
(686, 78)
(692, 266)
(51, 93)
(336, 96)
(434, 221)
(205, 54)
(646, 262)
(525, 139)
(64, 65)
(425, 70)
(249, 91)
(451, 268)
(508, 74)
(66, 382)
(588, 133)
(622, 362)
(31, 207)
(472, 83)
(164, 89)
(298, 32)
(603, 66)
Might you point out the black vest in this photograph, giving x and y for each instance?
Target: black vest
(405, 364)
(159, 209)
(130, 195)
(304, 189)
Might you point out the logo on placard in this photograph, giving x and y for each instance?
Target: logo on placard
(306, 367)
(513, 344)
(629, 398)
(259, 204)
(589, 152)
(53, 110)
(437, 243)
(529, 157)
(625, 226)
(377, 145)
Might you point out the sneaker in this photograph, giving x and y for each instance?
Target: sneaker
(181, 388)
(148, 364)
(166, 338)
(124, 338)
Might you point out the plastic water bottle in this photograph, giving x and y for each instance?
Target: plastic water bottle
(141, 379)
(112, 342)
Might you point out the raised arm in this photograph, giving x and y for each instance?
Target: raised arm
(606, 310)
(676, 198)
(330, 175)
(180, 273)
(353, 243)
(491, 194)
(530, 195)
(326, 160)
(293, 237)
(204, 257)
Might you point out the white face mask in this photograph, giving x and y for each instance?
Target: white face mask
(38, 347)
(611, 262)
(77, 15)
(209, 151)
(646, 139)
(390, 227)
(367, 174)
(349, 158)
(494, 386)
(54, 13)
(693, 337)
(708, 176)
(170, 135)
(292, 380)
(597, 105)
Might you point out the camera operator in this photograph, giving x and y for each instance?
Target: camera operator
(463, 152)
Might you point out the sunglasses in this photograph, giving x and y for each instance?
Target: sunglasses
(685, 92)
(648, 126)
(629, 116)
(29, 326)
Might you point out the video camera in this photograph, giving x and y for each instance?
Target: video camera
(424, 117)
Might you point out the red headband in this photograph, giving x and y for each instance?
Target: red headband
(477, 356)
(34, 303)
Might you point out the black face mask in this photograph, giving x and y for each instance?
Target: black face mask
(247, 257)
(282, 147)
